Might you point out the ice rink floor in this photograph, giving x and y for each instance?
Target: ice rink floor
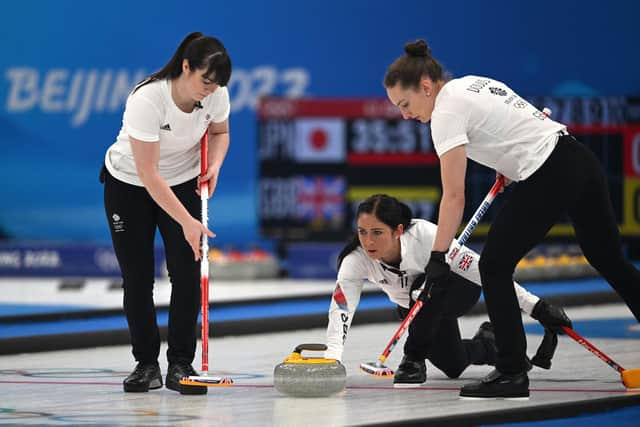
(84, 387)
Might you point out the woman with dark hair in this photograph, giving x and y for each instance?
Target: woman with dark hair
(485, 120)
(391, 250)
(151, 178)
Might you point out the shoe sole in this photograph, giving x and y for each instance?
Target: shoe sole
(153, 385)
(523, 398)
(188, 389)
(407, 385)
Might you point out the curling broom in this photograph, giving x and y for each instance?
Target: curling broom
(205, 379)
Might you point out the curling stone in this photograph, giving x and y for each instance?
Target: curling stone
(309, 377)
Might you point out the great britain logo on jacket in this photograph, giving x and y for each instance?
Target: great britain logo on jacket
(465, 261)
(339, 298)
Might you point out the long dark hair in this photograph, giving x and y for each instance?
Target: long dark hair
(413, 66)
(387, 209)
(202, 52)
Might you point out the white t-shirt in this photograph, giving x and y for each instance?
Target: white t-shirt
(498, 128)
(151, 115)
(415, 249)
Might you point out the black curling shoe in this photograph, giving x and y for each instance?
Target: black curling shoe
(487, 337)
(178, 371)
(410, 373)
(497, 385)
(145, 377)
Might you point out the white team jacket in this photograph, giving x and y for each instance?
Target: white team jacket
(415, 244)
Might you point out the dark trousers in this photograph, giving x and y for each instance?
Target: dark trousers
(434, 333)
(133, 217)
(570, 182)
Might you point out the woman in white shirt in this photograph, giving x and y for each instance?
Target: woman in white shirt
(484, 120)
(151, 179)
(391, 250)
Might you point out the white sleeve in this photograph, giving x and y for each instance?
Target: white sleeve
(450, 118)
(343, 306)
(142, 119)
(465, 264)
(448, 130)
(526, 300)
(344, 302)
(221, 105)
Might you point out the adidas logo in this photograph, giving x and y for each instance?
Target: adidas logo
(165, 127)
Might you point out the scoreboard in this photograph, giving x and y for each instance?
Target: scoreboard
(319, 158)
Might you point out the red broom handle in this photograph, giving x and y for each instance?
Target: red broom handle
(204, 260)
(586, 344)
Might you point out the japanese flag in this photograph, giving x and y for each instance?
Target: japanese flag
(320, 140)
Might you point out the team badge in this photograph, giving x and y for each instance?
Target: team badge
(465, 261)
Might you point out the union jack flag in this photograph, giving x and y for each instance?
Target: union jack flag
(465, 261)
(320, 199)
(339, 298)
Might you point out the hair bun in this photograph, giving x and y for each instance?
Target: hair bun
(417, 48)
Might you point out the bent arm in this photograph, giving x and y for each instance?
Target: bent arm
(146, 156)
(217, 151)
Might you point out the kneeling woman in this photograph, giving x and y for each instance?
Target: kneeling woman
(391, 249)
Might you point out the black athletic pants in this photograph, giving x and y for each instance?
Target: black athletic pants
(434, 333)
(570, 182)
(133, 217)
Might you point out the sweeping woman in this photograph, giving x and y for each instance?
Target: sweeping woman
(151, 180)
(483, 119)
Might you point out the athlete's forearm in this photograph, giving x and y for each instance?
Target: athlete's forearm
(449, 219)
(162, 194)
(218, 147)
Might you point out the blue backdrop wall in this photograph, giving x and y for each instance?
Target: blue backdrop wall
(67, 66)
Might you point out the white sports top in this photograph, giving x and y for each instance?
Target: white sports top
(498, 128)
(415, 249)
(151, 115)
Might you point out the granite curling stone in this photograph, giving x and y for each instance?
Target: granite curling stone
(300, 376)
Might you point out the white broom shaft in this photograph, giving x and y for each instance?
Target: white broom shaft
(477, 215)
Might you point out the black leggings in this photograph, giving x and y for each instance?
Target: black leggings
(570, 182)
(434, 333)
(133, 217)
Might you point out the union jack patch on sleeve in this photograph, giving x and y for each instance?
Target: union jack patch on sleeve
(465, 261)
(339, 298)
